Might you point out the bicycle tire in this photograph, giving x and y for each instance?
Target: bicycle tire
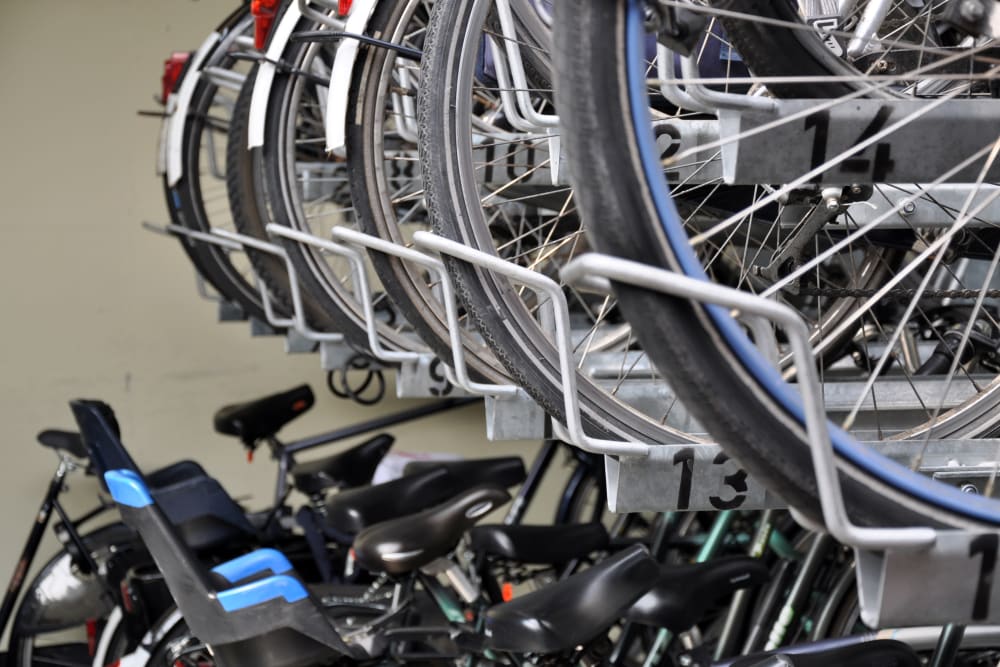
(405, 283)
(754, 427)
(338, 309)
(491, 301)
(248, 204)
(187, 197)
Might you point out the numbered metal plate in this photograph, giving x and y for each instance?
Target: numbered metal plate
(683, 477)
(703, 477)
(952, 582)
(926, 144)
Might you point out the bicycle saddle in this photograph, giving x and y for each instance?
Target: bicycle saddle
(408, 543)
(262, 418)
(64, 441)
(572, 611)
(504, 471)
(349, 468)
(875, 653)
(683, 594)
(350, 512)
(544, 545)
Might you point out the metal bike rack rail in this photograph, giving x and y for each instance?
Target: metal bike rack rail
(891, 560)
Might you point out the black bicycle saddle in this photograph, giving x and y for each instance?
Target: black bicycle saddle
(572, 611)
(875, 653)
(408, 543)
(262, 418)
(683, 594)
(350, 512)
(543, 545)
(504, 471)
(349, 468)
(64, 441)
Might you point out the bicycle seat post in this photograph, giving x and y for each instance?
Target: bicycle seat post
(285, 461)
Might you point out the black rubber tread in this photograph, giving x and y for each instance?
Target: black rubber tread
(404, 282)
(491, 301)
(679, 336)
(245, 188)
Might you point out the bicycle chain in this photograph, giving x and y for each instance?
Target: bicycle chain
(897, 293)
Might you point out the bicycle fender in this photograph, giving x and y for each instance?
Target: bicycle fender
(60, 596)
(161, 145)
(265, 75)
(340, 76)
(175, 130)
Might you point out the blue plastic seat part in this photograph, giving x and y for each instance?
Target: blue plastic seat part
(127, 488)
(252, 563)
(262, 590)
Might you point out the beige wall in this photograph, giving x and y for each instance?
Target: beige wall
(93, 306)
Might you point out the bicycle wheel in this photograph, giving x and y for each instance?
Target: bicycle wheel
(747, 406)
(489, 185)
(308, 191)
(198, 199)
(63, 610)
(385, 176)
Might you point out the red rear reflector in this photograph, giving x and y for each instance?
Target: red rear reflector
(172, 68)
(264, 12)
(91, 636)
(300, 405)
(344, 7)
(249, 456)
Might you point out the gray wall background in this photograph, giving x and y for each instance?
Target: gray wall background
(93, 306)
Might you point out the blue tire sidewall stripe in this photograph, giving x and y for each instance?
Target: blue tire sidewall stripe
(891, 473)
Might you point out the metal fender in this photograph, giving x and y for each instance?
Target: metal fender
(60, 596)
(175, 128)
(340, 76)
(265, 75)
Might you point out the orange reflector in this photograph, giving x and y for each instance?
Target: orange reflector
(300, 405)
(507, 591)
(249, 456)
